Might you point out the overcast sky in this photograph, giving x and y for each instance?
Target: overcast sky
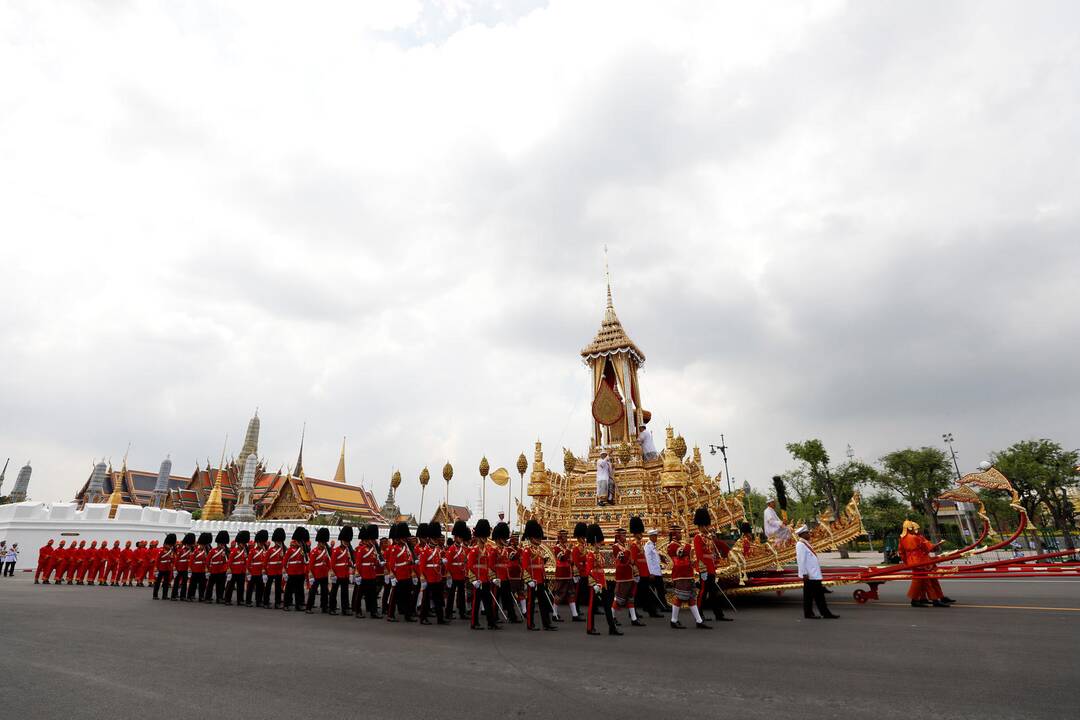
(853, 221)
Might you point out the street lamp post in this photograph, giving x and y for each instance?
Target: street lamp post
(948, 439)
(722, 447)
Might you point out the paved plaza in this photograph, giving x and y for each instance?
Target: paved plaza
(1005, 651)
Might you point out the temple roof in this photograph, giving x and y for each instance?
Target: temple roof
(611, 338)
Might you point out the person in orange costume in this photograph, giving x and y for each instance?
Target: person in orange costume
(59, 562)
(127, 559)
(44, 561)
(915, 550)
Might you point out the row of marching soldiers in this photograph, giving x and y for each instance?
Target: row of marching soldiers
(485, 574)
(79, 564)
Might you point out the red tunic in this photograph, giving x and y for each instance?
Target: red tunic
(114, 555)
(594, 567)
(577, 559)
(197, 561)
(238, 560)
(295, 564)
(431, 566)
(563, 559)
(257, 560)
(624, 566)
(367, 561)
(44, 558)
(481, 562)
(183, 558)
(703, 551)
(219, 559)
(165, 559)
(681, 556)
(532, 564)
(275, 560)
(401, 558)
(456, 556)
(513, 562)
(126, 556)
(637, 556)
(319, 563)
(341, 561)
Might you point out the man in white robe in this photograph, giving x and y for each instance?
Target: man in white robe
(645, 440)
(605, 480)
(775, 529)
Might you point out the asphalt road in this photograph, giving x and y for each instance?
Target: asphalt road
(1007, 651)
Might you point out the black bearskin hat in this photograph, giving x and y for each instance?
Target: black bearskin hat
(482, 529)
(279, 535)
(170, 539)
(371, 532)
(745, 528)
(322, 535)
(435, 530)
(205, 538)
(222, 537)
(581, 530)
(533, 530)
(243, 537)
(702, 517)
(595, 534)
(301, 534)
(189, 539)
(422, 531)
(403, 531)
(262, 536)
(637, 527)
(345, 534)
(460, 528)
(501, 531)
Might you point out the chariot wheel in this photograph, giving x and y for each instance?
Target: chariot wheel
(860, 596)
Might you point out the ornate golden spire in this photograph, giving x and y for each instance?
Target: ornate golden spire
(213, 509)
(611, 338)
(115, 497)
(339, 474)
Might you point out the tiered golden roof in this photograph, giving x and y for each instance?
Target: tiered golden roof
(611, 338)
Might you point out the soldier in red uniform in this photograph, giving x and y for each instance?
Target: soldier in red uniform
(432, 587)
(218, 566)
(341, 564)
(296, 569)
(387, 586)
(256, 570)
(238, 561)
(127, 557)
(165, 567)
(517, 583)
(504, 596)
(709, 594)
(197, 564)
(181, 563)
(625, 578)
(57, 562)
(44, 562)
(578, 551)
(368, 572)
(565, 588)
(319, 568)
(597, 578)
(456, 556)
(644, 598)
(480, 570)
(99, 564)
(402, 567)
(275, 567)
(682, 579)
(534, 575)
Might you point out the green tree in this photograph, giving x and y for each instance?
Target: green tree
(918, 476)
(883, 513)
(997, 507)
(833, 485)
(1043, 472)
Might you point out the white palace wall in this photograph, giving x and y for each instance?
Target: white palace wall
(32, 524)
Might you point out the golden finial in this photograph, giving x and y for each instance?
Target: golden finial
(484, 467)
(522, 464)
(679, 446)
(447, 471)
(424, 477)
(395, 479)
(568, 461)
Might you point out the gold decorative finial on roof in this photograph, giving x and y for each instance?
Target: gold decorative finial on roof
(339, 474)
(611, 338)
(213, 509)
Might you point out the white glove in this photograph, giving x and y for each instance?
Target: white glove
(393, 582)
(636, 579)
(416, 581)
(704, 576)
(423, 585)
(476, 584)
(264, 577)
(596, 589)
(532, 584)
(387, 579)
(496, 582)
(576, 579)
(247, 578)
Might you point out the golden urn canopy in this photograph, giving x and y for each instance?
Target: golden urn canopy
(447, 471)
(425, 476)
